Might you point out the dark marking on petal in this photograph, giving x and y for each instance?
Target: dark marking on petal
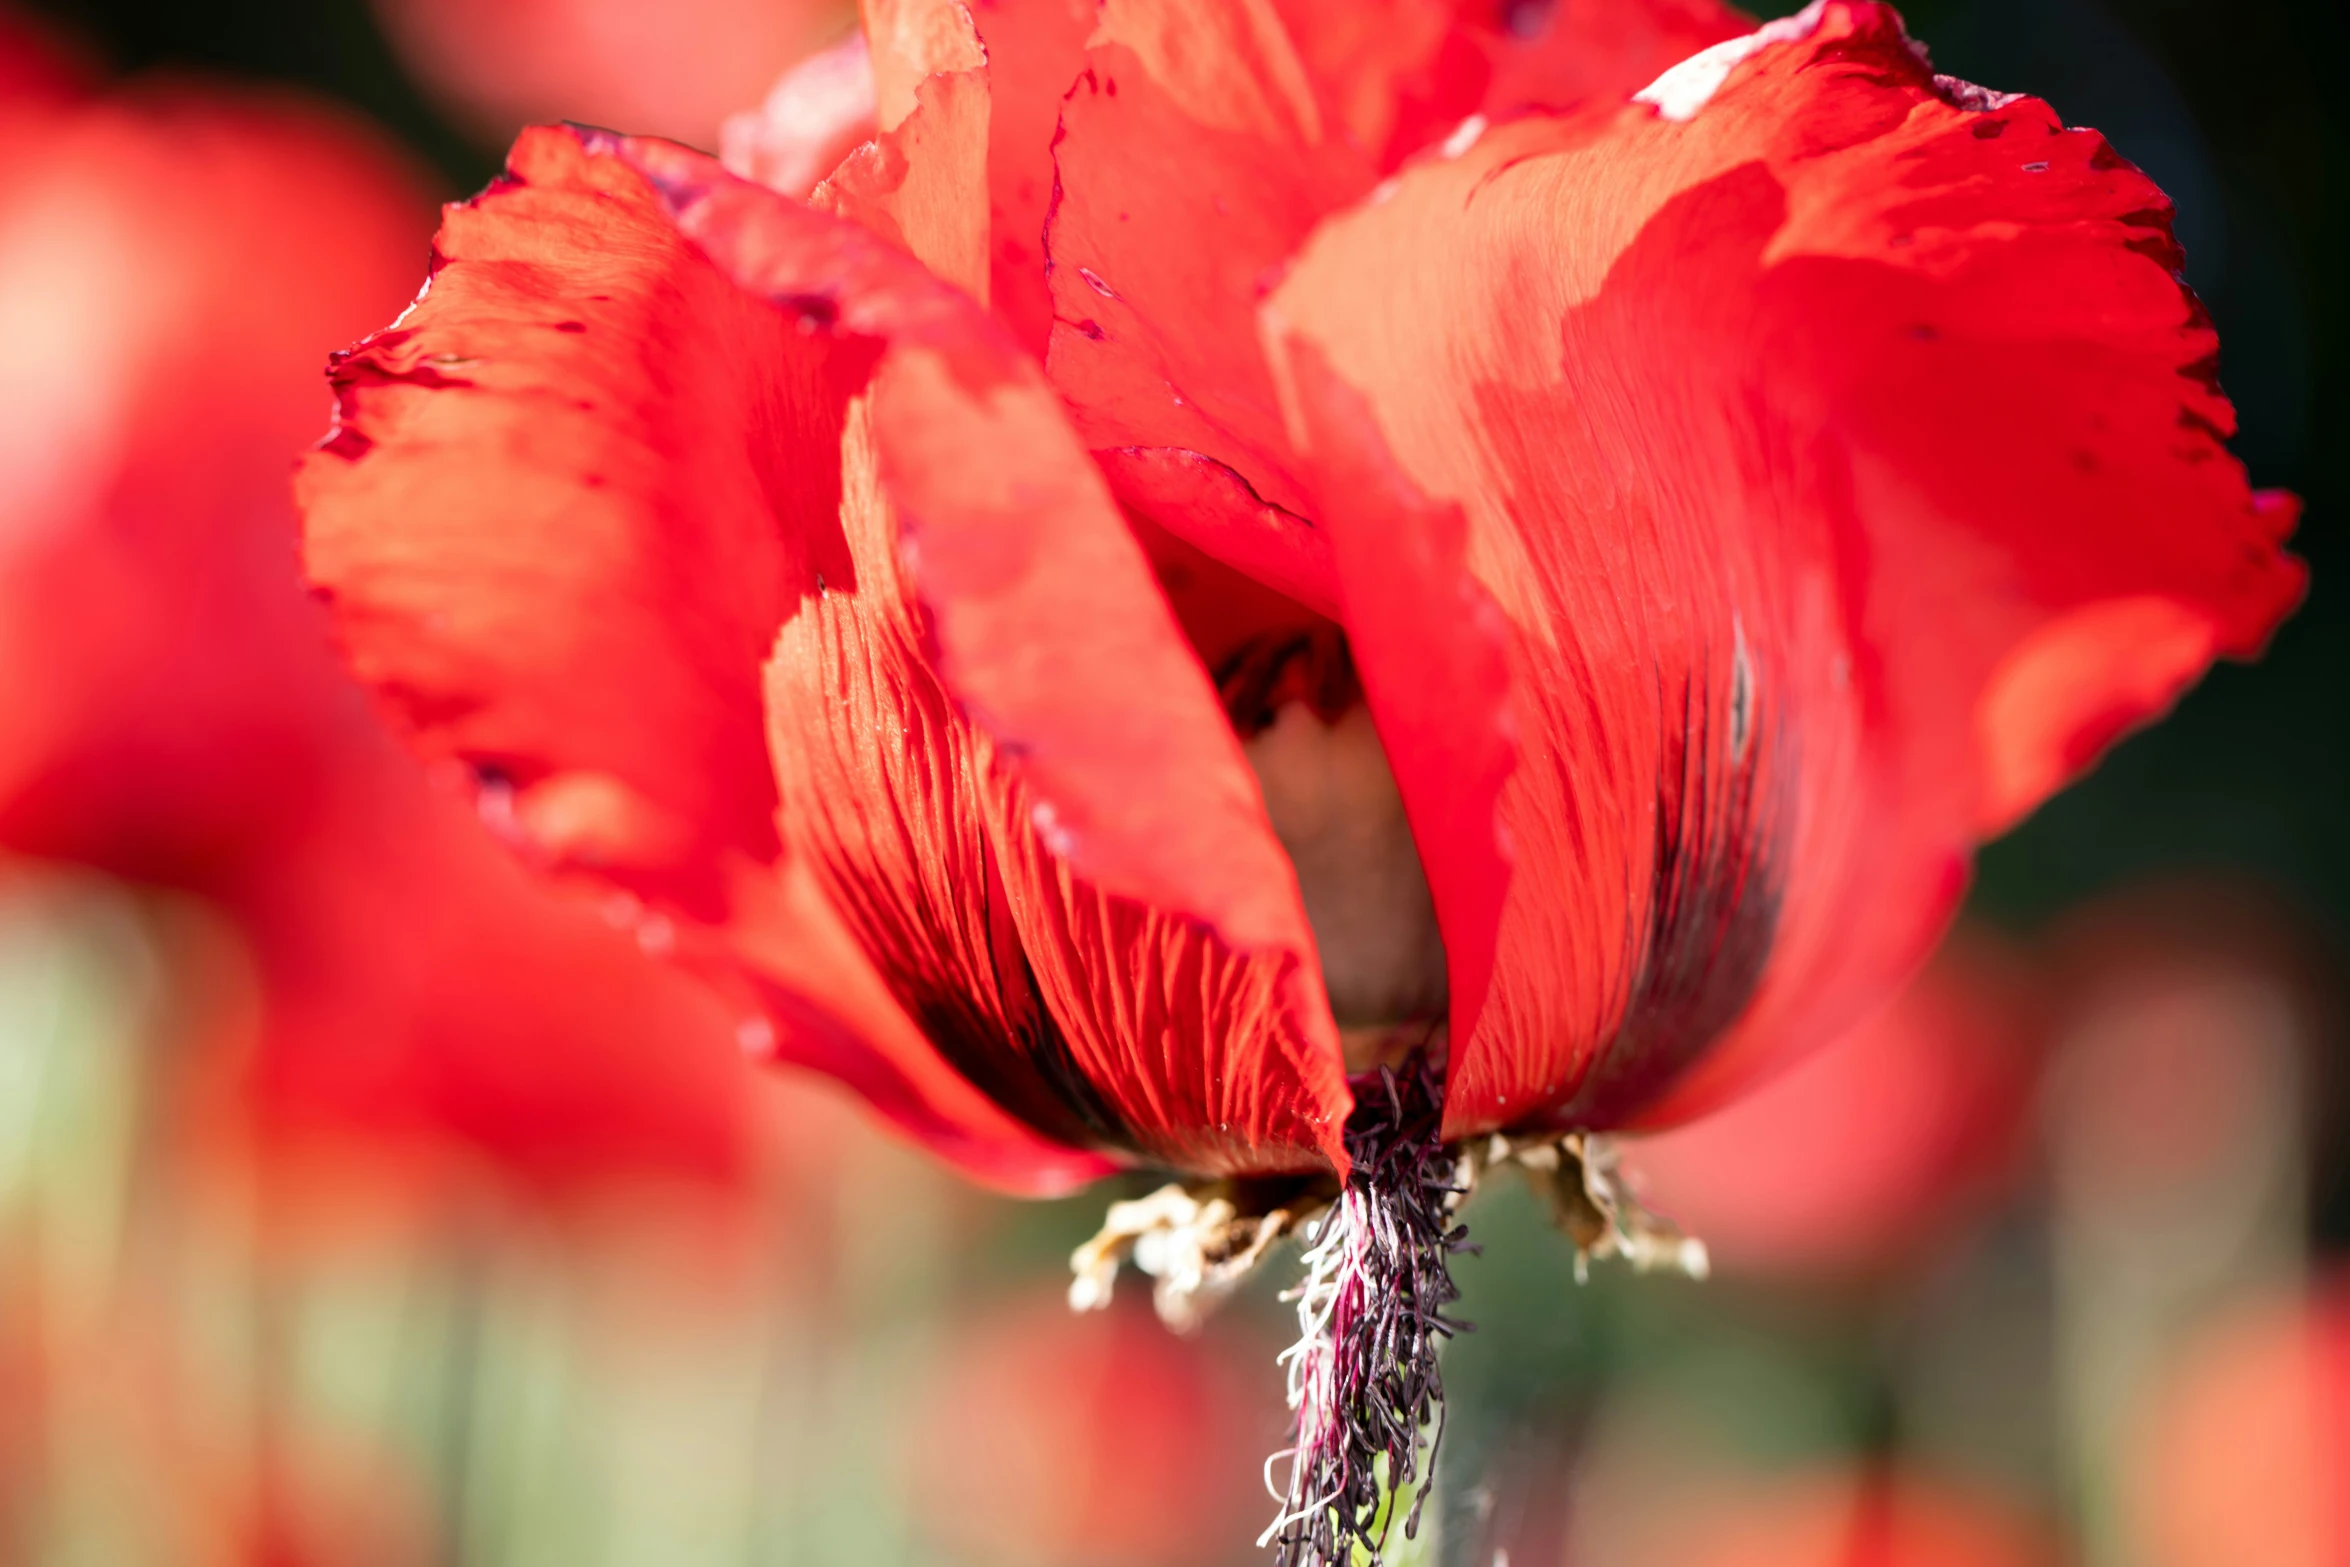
(1718, 868)
(811, 313)
(1266, 674)
(2199, 320)
(1012, 1051)
(1741, 693)
(2199, 424)
(1048, 1050)
(354, 373)
(351, 371)
(348, 442)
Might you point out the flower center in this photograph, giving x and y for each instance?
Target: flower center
(1288, 684)
(1335, 807)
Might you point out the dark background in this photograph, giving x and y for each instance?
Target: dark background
(2237, 107)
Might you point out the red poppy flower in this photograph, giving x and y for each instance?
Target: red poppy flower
(1783, 612)
(1190, 569)
(2240, 1454)
(1876, 1146)
(1087, 1419)
(177, 714)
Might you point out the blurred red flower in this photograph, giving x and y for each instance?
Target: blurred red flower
(1867, 1152)
(2192, 1013)
(1573, 581)
(2243, 1455)
(1048, 1441)
(174, 258)
(1852, 1520)
(675, 69)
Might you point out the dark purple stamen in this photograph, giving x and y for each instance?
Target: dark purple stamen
(1365, 1380)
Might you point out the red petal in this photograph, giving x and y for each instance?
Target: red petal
(1281, 116)
(504, 426)
(1560, 54)
(548, 519)
(1402, 74)
(1019, 56)
(912, 40)
(1377, 63)
(1872, 1149)
(1875, 481)
(1046, 832)
(1432, 651)
(1035, 49)
(923, 181)
(1270, 545)
(1158, 260)
(1046, 845)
